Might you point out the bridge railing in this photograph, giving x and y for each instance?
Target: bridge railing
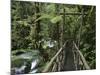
(57, 62)
(82, 58)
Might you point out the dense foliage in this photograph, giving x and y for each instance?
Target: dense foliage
(36, 31)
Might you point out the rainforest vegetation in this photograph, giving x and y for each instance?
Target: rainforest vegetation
(51, 37)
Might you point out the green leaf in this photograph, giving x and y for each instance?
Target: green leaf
(44, 16)
(56, 19)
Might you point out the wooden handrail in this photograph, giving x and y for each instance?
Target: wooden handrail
(53, 58)
(82, 57)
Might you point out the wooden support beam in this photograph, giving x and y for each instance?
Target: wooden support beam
(75, 13)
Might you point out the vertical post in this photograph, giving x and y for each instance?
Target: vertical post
(62, 56)
(61, 40)
(57, 26)
(58, 41)
(80, 29)
(62, 28)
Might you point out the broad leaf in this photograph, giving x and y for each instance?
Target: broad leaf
(44, 16)
(56, 19)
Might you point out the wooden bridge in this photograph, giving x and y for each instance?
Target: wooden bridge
(68, 58)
